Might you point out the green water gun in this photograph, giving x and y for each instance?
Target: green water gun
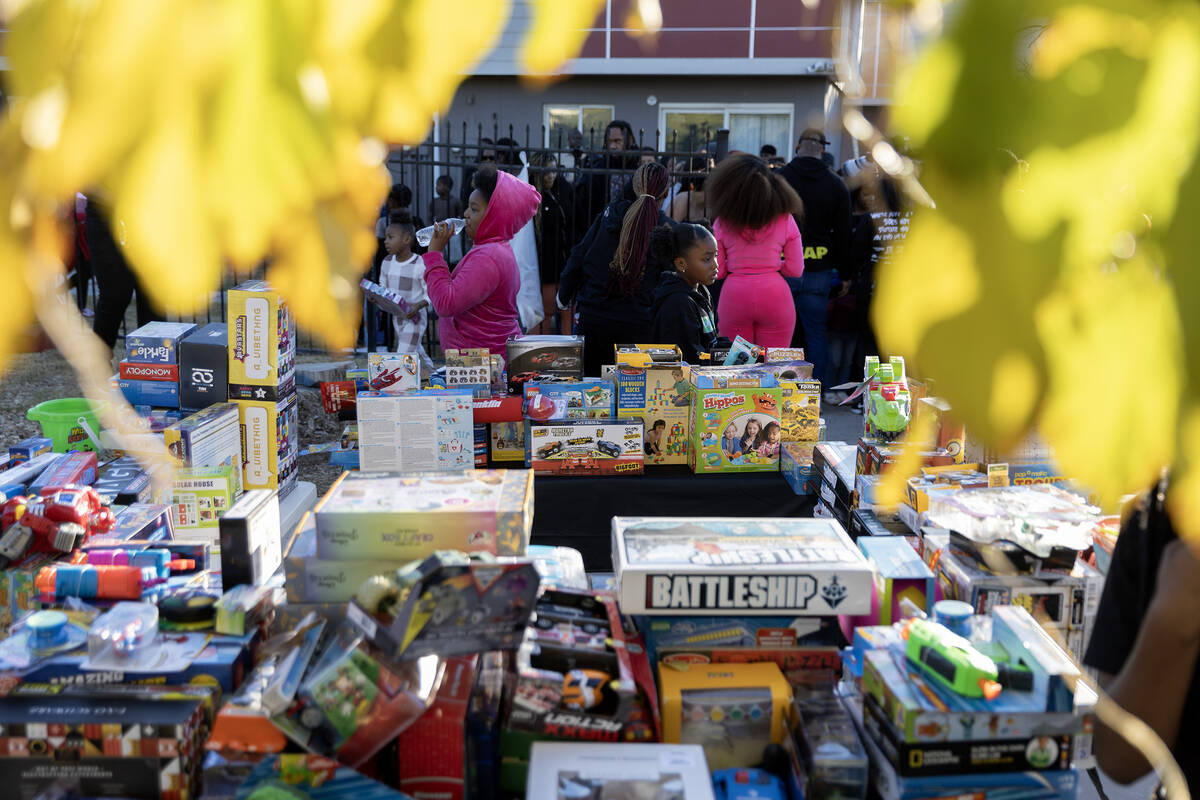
(956, 664)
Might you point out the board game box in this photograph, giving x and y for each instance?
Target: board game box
(735, 429)
(729, 566)
(270, 443)
(262, 343)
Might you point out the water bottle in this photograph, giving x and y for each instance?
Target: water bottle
(426, 233)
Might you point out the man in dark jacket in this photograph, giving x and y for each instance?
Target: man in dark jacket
(825, 231)
(605, 173)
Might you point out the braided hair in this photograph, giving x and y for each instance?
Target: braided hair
(629, 262)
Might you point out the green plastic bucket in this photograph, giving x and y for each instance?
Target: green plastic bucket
(60, 422)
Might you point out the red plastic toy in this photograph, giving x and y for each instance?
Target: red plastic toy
(56, 522)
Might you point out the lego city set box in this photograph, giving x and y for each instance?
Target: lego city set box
(311, 579)
(585, 447)
(577, 769)
(531, 357)
(416, 431)
(262, 343)
(660, 394)
(403, 517)
(736, 427)
(270, 443)
(727, 566)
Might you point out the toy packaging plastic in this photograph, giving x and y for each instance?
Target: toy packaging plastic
(262, 344)
(735, 429)
(574, 769)
(532, 356)
(588, 398)
(270, 443)
(661, 395)
(157, 342)
(737, 567)
(417, 431)
(200, 495)
(732, 710)
(402, 517)
(392, 373)
(204, 366)
(250, 540)
(208, 438)
(742, 352)
(585, 447)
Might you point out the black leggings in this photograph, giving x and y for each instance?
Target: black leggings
(115, 281)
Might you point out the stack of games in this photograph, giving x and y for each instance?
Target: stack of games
(149, 374)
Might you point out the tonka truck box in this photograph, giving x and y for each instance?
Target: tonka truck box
(204, 366)
(262, 343)
(156, 342)
(270, 443)
(585, 447)
(800, 411)
(661, 395)
(735, 429)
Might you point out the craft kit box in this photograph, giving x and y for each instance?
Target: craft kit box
(156, 342)
(392, 373)
(200, 495)
(585, 447)
(735, 429)
(208, 438)
(800, 411)
(204, 366)
(533, 356)
(658, 392)
(311, 579)
(416, 431)
(262, 343)
(403, 517)
(589, 769)
(727, 566)
(270, 443)
(589, 398)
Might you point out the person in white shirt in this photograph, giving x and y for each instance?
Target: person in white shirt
(404, 272)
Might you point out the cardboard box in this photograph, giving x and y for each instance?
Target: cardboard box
(28, 449)
(664, 636)
(156, 342)
(720, 418)
(131, 370)
(732, 566)
(658, 392)
(800, 414)
(433, 750)
(204, 366)
(78, 468)
(270, 443)
(163, 394)
(796, 464)
(404, 517)
(123, 482)
(208, 438)
(507, 441)
(619, 770)
(900, 575)
(585, 447)
(744, 707)
(771, 354)
(311, 579)
(262, 344)
(646, 355)
(392, 373)
(18, 594)
(417, 431)
(591, 398)
(474, 369)
(532, 356)
(138, 522)
(200, 495)
(251, 549)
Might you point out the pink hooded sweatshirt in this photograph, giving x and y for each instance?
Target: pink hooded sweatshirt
(477, 307)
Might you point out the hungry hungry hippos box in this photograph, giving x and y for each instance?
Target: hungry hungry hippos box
(735, 428)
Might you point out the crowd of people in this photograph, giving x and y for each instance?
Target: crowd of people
(634, 248)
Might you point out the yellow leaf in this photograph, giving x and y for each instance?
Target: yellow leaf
(557, 33)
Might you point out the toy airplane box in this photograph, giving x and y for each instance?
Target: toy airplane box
(416, 431)
(200, 495)
(729, 566)
(590, 398)
(533, 356)
(735, 430)
(585, 447)
(403, 517)
(270, 443)
(262, 343)
(661, 394)
(392, 373)
(646, 355)
(589, 769)
(208, 438)
(310, 579)
(157, 342)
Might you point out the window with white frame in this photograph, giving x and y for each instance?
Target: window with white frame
(687, 128)
(590, 120)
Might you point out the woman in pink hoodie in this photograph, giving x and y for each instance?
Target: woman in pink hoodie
(477, 306)
(758, 244)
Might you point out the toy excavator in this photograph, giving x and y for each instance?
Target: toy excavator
(954, 663)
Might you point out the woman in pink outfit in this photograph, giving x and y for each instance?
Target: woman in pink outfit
(477, 306)
(758, 244)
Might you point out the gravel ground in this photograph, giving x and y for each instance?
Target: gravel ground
(35, 377)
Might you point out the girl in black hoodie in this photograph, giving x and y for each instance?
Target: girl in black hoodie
(683, 312)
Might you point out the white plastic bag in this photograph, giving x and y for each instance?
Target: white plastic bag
(524, 246)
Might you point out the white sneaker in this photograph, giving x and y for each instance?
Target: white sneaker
(833, 397)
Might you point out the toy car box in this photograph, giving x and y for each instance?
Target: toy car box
(533, 356)
(200, 495)
(828, 761)
(262, 344)
(392, 373)
(450, 604)
(156, 342)
(734, 428)
(474, 369)
(661, 395)
(578, 769)
(28, 449)
(251, 550)
(728, 566)
(163, 394)
(403, 517)
(310, 579)
(204, 366)
(800, 411)
(585, 447)
(208, 438)
(796, 465)
(588, 398)
(733, 710)
(645, 355)
(416, 431)
(270, 443)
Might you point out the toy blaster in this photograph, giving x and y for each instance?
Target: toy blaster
(954, 663)
(89, 582)
(157, 558)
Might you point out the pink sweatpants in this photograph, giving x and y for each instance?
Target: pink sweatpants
(758, 308)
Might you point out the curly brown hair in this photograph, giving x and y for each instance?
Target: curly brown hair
(744, 193)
